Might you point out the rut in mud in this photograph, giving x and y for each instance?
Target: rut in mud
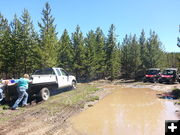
(37, 122)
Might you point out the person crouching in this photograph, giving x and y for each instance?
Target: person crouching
(22, 86)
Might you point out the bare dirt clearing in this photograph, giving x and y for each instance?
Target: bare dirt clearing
(51, 117)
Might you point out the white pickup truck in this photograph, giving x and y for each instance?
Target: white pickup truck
(43, 81)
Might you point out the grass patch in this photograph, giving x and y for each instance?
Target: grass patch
(76, 97)
(56, 103)
(92, 98)
(3, 107)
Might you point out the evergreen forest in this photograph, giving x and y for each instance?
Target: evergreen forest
(88, 56)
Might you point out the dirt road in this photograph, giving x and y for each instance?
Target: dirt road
(52, 117)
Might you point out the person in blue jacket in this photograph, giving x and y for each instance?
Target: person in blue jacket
(22, 86)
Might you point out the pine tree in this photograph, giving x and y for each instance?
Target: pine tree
(155, 52)
(100, 66)
(65, 52)
(112, 59)
(143, 52)
(29, 50)
(178, 39)
(172, 60)
(79, 53)
(16, 48)
(90, 42)
(5, 46)
(130, 58)
(125, 57)
(135, 57)
(48, 38)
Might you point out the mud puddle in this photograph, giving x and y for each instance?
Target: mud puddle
(127, 111)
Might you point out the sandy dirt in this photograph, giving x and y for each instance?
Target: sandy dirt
(35, 120)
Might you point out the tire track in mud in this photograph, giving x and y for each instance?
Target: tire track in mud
(54, 123)
(25, 123)
(67, 113)
(18, 122)
(45, 126)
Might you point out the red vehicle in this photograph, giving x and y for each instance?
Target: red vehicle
(152, 75)
(169, 75)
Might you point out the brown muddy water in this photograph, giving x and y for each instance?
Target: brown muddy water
(127, 111)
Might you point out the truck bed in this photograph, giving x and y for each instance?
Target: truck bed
(44, 79)
(33, 90)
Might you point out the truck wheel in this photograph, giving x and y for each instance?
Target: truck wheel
(171, 81)
(73, 85)
(44, 94)
(144, 80)
(154, 80)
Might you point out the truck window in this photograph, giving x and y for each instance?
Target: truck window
(152, 72)
(46, 71)
(64, 72)
(37, 72)
(168, 72)
(58, 72)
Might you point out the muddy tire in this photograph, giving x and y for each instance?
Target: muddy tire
(44, 94)
(153, 80)
(160, 81)
(74, 84)
(144, 80)
(171, 81)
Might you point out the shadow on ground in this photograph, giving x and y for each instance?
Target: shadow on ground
(33, 100)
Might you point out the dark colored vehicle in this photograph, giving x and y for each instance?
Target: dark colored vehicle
(152, 75)
(169, 75)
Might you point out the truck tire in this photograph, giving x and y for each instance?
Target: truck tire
(153, 80)
(74, 84)
(44, 94)
(160, 81)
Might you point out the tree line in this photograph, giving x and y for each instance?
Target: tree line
(91, 56)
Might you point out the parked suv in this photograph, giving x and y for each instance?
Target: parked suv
(169, 75)
(152, 75)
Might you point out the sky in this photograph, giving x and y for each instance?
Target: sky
(129, 16)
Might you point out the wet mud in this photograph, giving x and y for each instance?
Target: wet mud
(126, 111)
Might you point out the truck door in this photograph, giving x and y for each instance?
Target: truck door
(65, 77)
(61, 78)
